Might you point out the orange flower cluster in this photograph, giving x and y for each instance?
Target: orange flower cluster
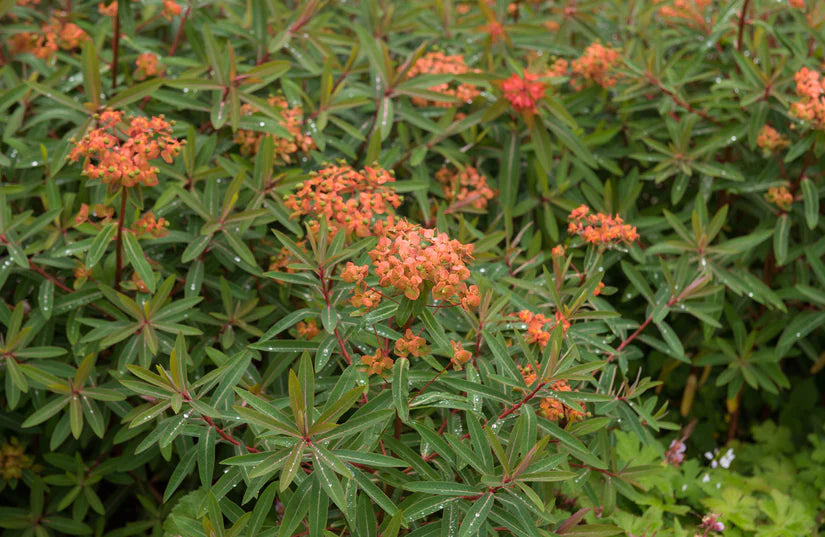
(148, 224)
(797, 3)
(412, 259)
(377, 363)
(148, 64)
(595, 65)
(550, 407)
(438, 63)
(292, 119)
(781, 196)
(523, 92)
(348, 199)
(410, 344)
(467, 186)
(770, 140)
(689, 11)
(460, 356)
(536, 322)
(126, 163)
(558, 69)
(281, 262)
(811, 87)
(107, 11)
(600, 229)
(52, 36)
(171, 9)
(308, 330)
(100, 210)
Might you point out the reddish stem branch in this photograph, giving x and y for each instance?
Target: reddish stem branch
(325, 292)
(228, 437)
(179, 33)
(679, 102)
(742, 25)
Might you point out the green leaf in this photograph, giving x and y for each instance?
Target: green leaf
(400, 387)
(476, 516)
(91, 73)
(45, 298)
(46, 411)
(134, 253)
(810, 198)
(780, 239)
(100, 244)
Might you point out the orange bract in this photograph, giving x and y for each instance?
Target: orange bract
(467, 186)
(781, 196)
(348, 199)
(292, 119)
(52, 36)
(410, 344)
(377, 363)
(770, 140)
(523, 92)
(308, 330)
(148, 64)
(438, 63)
(600, 229)
(810, 87)
(148, 224)
(595, 65)
(126, 163)
(550, 407)
(688, 11)
(460, 356)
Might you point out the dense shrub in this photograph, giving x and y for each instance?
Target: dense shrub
(412, 268)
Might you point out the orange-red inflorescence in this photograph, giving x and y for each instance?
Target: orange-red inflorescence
(600, 229)
(523, 92)
(171, 9)
(690, 11)
(348, 199)
(770, 140)
(410, 259)
(308, 330)
(460, 356)
(550, 407)
(52, 36)
(292, 119)
(411, 345)
(466, 186)
(811, 88)
(595, 65)
(781, 196)
(797, 3)
(107, 11)
(126, 162)
(149, 224)
(539, 326)
(148, 65)
(438, 63)
(377, 363)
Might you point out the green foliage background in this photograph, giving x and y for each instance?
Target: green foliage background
(134, 413)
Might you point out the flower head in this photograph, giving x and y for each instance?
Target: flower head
(411, 344)
(354, 201)
(148, 64)
(377, 363)
(460, 356)
(467, 187)
(810, 87)
(780, 196)
(523, 92)
(171, 9)
(600, 229)
(770, 140)
(595, 65)
(13, 460)
(308, 330)
(121, 155)
(438, 63)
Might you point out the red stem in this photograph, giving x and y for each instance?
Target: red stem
(742, 25)
(180, 30)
